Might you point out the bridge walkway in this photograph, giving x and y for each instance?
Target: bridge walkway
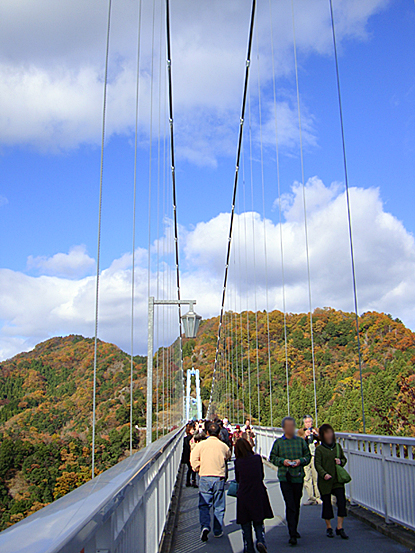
(312, 528)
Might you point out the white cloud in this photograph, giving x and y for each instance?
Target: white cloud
(51, 68)
(35, 308)
(74, 264)
(3, 201)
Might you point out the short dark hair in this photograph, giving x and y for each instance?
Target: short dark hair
(243, 448)
(285, 419)
(324, 428)
(213, 429)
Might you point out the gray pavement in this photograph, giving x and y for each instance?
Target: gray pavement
(362, 538)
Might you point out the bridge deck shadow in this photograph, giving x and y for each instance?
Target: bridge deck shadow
(312, 529)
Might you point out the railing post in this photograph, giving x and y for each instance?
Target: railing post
(385, 481)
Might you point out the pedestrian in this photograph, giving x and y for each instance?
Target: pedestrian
(329, 454)
(249, 433)
(209, 458)
(191, 475)
(227, 425)
(310, 435)
(252, 504)
(237, 434)
(224, 434)
(291, 454)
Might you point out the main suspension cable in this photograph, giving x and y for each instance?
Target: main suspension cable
(173, 176)
(101, 172)
(349, 216)
(235, 188)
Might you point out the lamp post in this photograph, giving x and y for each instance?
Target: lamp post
(191, 321)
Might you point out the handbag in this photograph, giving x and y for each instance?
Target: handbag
(233, 488)
(343, 477)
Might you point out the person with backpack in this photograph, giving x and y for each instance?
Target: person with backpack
(329, 456)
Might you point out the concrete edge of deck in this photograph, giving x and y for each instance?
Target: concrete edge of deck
(171, 523)
(396, 532)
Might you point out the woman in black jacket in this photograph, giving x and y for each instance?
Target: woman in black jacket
(252, 505)
(190, 430)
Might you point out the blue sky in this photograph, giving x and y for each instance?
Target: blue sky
(49, 156)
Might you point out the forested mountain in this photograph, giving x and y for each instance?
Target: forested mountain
(249, 352)
(46, 394)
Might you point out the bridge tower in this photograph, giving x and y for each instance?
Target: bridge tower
(193, 372)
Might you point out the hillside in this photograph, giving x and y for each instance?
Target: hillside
(45, 419)
(388, 355)
(46, 394)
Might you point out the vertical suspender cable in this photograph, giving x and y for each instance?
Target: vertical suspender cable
(265, 240)
(134, 224)
(349, 217)
(305, 217)
(104, 110)
(277, 153)
(173, 175)
(247, 299)
(235, 188)
(254, 259)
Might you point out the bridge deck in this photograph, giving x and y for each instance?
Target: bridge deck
(312, 528)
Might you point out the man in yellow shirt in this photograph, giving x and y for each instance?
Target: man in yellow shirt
(209, 459)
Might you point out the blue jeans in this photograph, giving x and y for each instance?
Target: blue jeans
(211, 494)
(247, 535)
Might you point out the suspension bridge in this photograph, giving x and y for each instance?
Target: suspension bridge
(140, 505)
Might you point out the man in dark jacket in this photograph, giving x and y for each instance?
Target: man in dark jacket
(291, 454)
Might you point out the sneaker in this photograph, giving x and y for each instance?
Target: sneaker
(292, 541)
(218, 535)
(330, 533)
(194, 485)
(261, 548)
(204, 536)
(340, 532)
(309, 502)
(318, 501)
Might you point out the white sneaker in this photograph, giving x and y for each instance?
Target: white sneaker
(204, 536)
(218, 535)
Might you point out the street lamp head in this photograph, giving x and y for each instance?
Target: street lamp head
(191, 323)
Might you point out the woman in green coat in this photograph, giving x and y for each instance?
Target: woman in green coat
(328, 455)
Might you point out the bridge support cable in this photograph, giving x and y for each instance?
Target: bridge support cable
(247, 299)
(235, 188)
(305, 216)
(254, 256)
(101, 173)
(173, 176)
(280, 210)
(349, 216)
(265, 236)
(137, 93)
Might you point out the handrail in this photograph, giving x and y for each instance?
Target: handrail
(103, 506)
(382, 470)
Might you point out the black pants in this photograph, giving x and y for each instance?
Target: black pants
(327, 512)
(190, 474)
(292, 493)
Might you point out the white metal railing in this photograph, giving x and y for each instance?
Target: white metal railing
(123, 510)
(382, 470)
